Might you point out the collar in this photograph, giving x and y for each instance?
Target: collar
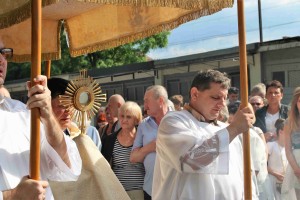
(2, 99)
(3, 103)
(198, 115)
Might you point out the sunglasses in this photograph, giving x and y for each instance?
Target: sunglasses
(7, 53)
(255, 104)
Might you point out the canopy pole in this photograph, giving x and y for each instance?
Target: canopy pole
(244, 97)
(48, 68)
(36, 38)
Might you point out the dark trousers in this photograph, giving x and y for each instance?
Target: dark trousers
(147, 196)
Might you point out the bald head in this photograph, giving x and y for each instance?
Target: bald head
(114, 103)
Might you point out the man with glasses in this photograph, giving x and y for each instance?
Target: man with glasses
(267, 115)
(60, 159)
(257, 102)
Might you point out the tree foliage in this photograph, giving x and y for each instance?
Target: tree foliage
(129, 53)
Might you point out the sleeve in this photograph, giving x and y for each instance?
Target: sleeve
(138, 141)
(1, 195)
(270, 148)
(54, 168)
(255, 150)
(192, 149)
(93, 133)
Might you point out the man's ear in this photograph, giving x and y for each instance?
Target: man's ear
(161, 100)
(194, 92)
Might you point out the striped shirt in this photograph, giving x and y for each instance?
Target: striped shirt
(130, 175)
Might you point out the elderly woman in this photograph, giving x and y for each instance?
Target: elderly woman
(117, 148)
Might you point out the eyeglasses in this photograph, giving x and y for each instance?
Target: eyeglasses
(7, 53)
(255, 104)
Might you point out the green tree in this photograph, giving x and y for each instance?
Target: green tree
(129, 53)
(17, 71)
(126, 54)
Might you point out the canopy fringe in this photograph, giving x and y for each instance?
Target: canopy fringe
(20, 14)
(24, 12)
(27, 57)
(140, 35)
(211, 7)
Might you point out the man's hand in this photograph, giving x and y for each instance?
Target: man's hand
(270, 136)
(40, 96)
(139, 154)
(242, 121)
(27, 189)
(279, 177)
(152, 145)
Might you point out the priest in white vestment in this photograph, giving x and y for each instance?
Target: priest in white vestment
(60, 159)
(194, 149)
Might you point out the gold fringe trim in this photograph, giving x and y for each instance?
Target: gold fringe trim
(24, 12)
(140, 35)
(27, 57)
(15, 16)
(183, 4)
(212, 5)
(45, 56)
(20, 14)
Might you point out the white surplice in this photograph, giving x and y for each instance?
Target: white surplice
(178, 133)
(15, 145)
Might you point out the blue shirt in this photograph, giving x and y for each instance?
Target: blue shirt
(147, 132)
(93, 133)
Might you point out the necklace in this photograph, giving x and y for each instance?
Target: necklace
(126, 139)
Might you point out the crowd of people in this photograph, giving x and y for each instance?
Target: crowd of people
(165, 141)
(167, 148)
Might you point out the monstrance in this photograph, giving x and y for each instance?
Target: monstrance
(82, 98)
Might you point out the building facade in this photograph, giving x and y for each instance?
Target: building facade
(267, 61)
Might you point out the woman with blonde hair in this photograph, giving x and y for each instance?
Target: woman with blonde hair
(117, 148)
(291, 183)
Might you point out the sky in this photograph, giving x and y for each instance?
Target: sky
(280, 18)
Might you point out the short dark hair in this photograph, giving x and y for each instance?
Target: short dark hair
(279, 125)
(275, 84)
(233, 90)
(57, 86)
(203, 79)
(233, 107)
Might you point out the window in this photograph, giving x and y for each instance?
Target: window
(279, 76)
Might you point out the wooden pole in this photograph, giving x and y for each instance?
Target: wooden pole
(36, 38)
(244, 97)
(48, 68)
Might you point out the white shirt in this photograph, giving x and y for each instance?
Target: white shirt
(14, 150)
(179, 133)
(270, 122)
(277, 157)
(259, 160)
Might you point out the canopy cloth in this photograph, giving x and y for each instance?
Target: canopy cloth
(97, 181)
(93, 25)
